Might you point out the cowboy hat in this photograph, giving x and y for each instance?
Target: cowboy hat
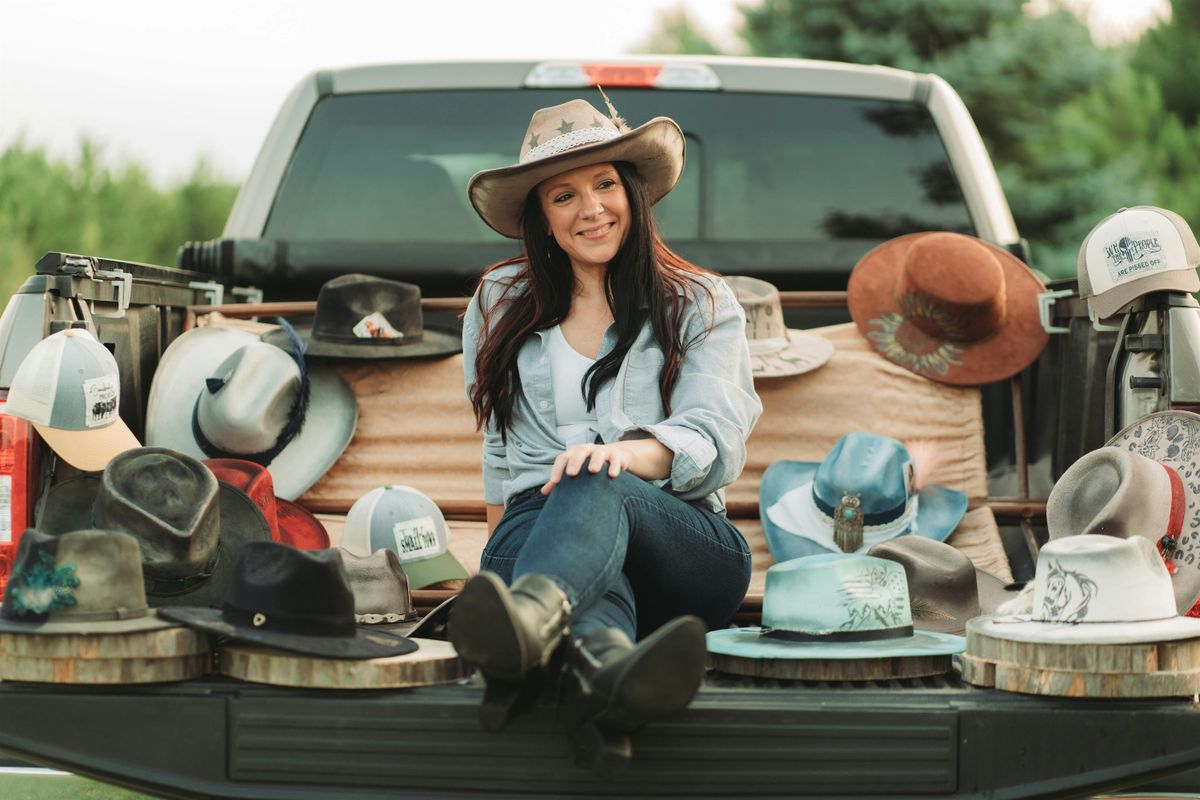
(776, 351)
(288, 522)
(295, 600)
(944, 587)
(949, 307)
(571, 135)
(864, 492)
(382, 601)
(86, 581)
(361, 316)
(834, 606)
(1096, 589)
(222, 393)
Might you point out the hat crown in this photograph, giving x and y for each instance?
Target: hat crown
(1095, 578)
(1111, 491)
(952, 287)
(249, 399)
(941, 579)
(876, 468)
(68, 381)
(764, 311)
(836, 593)
(79, 576)
(253, 480)
(378, 583)
(363, 309)
(285, 584)
(564, 127)
(398, 518)
(168, 502)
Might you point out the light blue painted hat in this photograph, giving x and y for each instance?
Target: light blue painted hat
(835, 606)
(862, 494)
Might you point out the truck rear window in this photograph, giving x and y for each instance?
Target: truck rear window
(393, 167)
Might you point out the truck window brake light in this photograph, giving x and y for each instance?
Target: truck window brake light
(572, 74)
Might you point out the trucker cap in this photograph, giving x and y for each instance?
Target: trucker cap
(68, 387)
(1134, 252)
(405, 521)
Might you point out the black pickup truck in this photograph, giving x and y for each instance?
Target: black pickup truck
(795, 169)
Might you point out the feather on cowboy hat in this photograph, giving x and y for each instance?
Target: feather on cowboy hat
(574, 134)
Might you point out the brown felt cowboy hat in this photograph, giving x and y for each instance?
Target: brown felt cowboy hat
(570, 135)
(949, 307)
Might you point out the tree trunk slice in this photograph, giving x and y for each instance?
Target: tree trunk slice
(978, 672)
(433, 662)
(1146, 658)
(165, 643)
(863, 669)
(104, 670)
(1061, 683)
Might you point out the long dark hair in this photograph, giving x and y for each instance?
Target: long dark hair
(643, 270)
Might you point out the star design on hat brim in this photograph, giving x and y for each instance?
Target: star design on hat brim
(596, 123)
(533, 140)
(566, 127)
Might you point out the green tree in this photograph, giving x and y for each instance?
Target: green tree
(677, 33)
(1167, 53)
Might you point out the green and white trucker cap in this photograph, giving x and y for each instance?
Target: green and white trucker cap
(405, 521)
(68, 387)
(1134, 252)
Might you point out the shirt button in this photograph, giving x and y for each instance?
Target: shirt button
(543, 405)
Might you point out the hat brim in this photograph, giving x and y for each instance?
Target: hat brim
(1023, 629)
(241, 521)
(751, 643)
(299, 528)
(89, 450)
(655, 148)
(364, 643)
(1173, 438)
(69, 505)
(1107, 304)
(993, 592)
(149, 622)
(939, 510)
(870, 295)
(443, 567)
(329, 424)
(804, 353)
(434, 342)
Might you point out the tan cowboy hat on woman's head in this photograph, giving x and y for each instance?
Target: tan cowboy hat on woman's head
(571, 135)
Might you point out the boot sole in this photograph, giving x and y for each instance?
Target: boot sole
(483, 629)
(661, 680)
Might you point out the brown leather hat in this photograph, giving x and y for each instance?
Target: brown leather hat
(381, 597)
(949, 307)
(945, 590)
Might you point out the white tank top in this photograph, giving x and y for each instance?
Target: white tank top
(567, 366)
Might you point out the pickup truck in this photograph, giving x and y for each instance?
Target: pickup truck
(795, 170)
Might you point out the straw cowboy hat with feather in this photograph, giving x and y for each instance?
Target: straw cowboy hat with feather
(570, 135)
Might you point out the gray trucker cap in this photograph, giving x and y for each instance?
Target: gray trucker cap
(1134, 252)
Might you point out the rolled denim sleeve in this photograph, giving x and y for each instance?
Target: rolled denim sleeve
(495, 459)
(713, 404)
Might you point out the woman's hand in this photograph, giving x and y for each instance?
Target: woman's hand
(646, 458)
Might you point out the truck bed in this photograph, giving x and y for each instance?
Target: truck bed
(931, 737)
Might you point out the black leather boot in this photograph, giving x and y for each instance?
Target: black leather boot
(622, 687)
(508, 631)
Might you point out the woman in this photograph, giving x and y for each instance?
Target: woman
(612, 382)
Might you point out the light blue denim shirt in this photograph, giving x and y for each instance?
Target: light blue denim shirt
(713, 405)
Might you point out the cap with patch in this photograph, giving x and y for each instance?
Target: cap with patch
(1134, 252)
(69, 388)
(405, 521)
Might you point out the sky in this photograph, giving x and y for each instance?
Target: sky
(165, 83)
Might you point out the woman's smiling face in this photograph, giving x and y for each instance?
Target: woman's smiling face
(587, 213)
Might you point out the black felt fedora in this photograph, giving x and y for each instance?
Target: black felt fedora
(190, 527)
(295, 600)
(360, 316)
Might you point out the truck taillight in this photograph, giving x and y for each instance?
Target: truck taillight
(17, 448)
(665, 75)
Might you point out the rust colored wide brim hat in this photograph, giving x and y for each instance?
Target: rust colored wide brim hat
(289, 522)
(571, 135)
(949, 307)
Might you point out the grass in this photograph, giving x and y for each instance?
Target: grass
(60, 787)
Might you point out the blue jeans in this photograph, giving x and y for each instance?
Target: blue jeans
(628, 554)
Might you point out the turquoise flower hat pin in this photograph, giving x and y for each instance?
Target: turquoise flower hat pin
(43, 586)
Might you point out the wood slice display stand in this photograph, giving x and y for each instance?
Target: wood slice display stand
(1147, 669)
(433, 662)
(171, 654)
(832, 669)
